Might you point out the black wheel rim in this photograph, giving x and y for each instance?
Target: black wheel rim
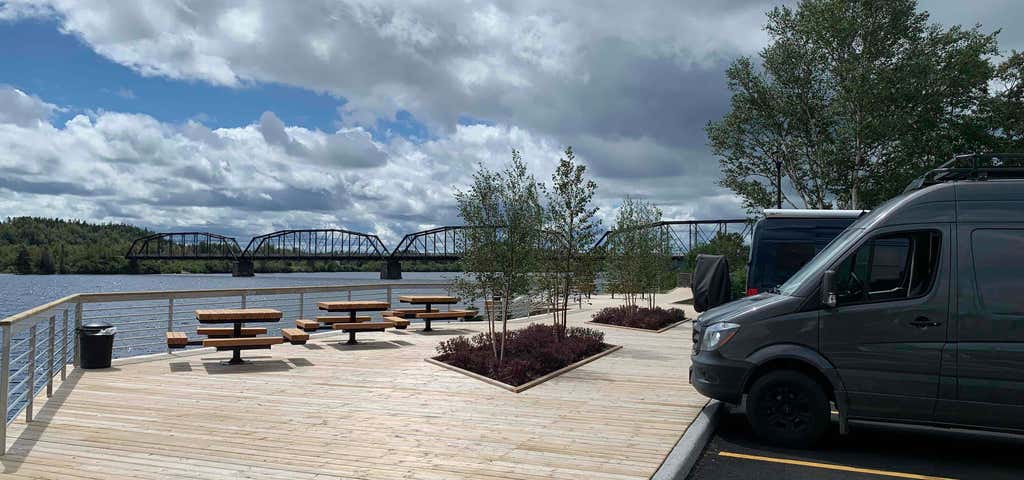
(786, 409)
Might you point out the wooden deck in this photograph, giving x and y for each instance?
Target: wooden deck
(370, 411)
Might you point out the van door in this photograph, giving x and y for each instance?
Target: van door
(990, 332)
(886, 334)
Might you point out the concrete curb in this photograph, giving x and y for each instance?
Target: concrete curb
(684, 455)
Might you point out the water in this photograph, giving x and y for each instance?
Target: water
(22, 292)
(141, 331)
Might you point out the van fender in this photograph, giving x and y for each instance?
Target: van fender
(810, 357)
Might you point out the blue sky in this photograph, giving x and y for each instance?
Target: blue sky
(367, 115)
(38, 58)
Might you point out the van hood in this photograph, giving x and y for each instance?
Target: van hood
(760, 306)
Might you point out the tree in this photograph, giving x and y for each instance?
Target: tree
(503, 219)
(571, 228)
(637, 255)
(46, 264)
(23, 263)
(1004, 110)
(855, 99)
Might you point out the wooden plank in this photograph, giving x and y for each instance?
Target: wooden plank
(228, 331)
(398, 322)
(363, 326)
(418, 299)
(627, 413)
(230, 315)
(177, 339)
(450, 314)
(294, 335)
(342, 319)
(242, 342)
(308, 325)
(354, 305)
(405, 312)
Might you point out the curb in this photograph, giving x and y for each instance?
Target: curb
(688, 449)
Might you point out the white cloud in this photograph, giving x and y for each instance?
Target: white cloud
(22, 109)
(629, 85)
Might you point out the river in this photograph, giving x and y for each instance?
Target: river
(22, 292)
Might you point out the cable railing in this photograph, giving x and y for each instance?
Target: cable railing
(37, 345)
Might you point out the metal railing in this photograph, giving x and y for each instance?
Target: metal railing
(37, 345)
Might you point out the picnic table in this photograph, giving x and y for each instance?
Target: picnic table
(426, 313)
(239, 339)
(353, 307)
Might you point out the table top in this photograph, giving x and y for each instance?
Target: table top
(238, 315)
(428, 299)
(353, 306)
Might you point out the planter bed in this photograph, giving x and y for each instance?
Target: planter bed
(634, 318)
(533, 355)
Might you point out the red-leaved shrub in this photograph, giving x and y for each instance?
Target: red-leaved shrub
(632, 316)
(530, 352)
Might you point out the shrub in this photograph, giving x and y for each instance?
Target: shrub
(632, 316)
(530, 352)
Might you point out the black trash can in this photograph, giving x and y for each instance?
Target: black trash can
(96, 341)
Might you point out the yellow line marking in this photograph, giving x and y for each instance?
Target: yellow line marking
(827, 466)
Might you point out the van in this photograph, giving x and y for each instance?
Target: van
(913, 314)
(784, 240)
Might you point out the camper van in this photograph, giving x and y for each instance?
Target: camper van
(914, 314)
(784, 240)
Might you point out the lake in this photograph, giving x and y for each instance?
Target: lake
(22, 292)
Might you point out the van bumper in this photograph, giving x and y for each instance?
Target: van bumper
(718, 377)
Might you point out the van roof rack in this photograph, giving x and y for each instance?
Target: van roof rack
(974, 166)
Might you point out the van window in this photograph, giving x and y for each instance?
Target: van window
(998, 263)
(889, 267)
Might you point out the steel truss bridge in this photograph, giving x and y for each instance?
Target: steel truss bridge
(441, 244)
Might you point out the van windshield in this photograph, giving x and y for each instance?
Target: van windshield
(835, 248)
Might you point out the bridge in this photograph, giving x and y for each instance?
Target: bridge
(441, 244)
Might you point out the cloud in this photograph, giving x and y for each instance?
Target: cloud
(629, 85)
(22, 109)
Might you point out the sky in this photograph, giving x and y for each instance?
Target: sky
(245, 117)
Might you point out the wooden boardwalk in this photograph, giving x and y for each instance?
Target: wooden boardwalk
(369, 411)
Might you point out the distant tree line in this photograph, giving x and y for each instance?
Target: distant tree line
(30, 245)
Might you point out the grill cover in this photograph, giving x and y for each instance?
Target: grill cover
(711, 284)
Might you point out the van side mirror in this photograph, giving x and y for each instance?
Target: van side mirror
(828, 289)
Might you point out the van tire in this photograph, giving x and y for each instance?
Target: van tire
(788, 408)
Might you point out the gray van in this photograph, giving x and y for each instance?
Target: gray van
(915, 313)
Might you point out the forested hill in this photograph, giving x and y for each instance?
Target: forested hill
(46, 245)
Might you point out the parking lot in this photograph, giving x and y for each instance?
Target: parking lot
(868, 452)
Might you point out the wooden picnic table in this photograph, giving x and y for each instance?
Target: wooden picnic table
(353, 307)
(239, 316)
(427, 301)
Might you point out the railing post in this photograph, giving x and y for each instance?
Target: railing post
(31, 373)
(243, 300)
(389, 295)
(50, 355)
(78, 324)
(302, 304)
(350, 294)
(5, 378)
(64, 349)
(170, 318)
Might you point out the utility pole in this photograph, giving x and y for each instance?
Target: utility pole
(778, 183)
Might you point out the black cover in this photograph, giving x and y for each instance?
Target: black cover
(711, 284)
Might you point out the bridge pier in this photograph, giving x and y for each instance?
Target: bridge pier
(391, 269)
(243, 267)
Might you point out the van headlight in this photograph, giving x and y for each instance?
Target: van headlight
(718, 334)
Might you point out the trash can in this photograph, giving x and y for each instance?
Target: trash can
(96, 341)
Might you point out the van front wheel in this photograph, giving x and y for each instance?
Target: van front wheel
(788, 408)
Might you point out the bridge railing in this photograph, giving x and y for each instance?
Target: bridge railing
(37, 345)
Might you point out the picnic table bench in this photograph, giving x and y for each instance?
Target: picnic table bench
(426, 313)
(237, 342)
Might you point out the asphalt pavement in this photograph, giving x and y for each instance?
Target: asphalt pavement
(867, 452)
